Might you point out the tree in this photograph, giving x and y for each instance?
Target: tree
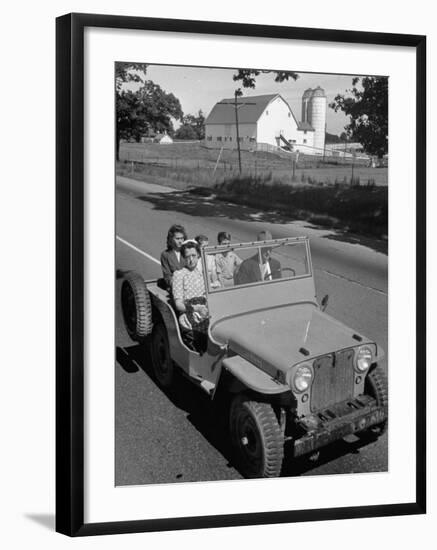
(368, 112)
(248, 76)
(149, 108)
(193, 127)
(186, 132)
(130, 120)
(331, 138)
(129, 72)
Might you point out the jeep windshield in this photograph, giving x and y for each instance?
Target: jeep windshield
(256, 263)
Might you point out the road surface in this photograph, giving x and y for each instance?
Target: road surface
(179, 437)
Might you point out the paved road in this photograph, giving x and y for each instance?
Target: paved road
(180, 437)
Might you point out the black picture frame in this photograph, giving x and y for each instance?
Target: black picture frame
(70, 273)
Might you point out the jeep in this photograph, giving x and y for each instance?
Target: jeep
(295, 376)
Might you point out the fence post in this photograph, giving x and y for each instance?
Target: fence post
(132, 167)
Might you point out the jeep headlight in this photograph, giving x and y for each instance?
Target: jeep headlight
(302, 378)
(363, 359)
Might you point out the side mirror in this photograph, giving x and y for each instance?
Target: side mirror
(324, 303)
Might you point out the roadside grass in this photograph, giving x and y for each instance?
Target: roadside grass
(182, 177)
(349, 199)
(353, 208)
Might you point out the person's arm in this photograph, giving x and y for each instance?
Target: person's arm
(237, 264)
(218, 269)
(212, 271)
(166, 269)
(237, 260)
(178, 296)
(178, 292)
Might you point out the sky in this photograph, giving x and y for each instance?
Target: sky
(200, 88)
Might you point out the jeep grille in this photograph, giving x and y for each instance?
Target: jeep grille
(333, 379)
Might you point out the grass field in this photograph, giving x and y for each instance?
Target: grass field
(178, 160)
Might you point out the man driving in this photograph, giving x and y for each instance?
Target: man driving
(261, 266)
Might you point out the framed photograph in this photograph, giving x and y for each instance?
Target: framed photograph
(240, 274)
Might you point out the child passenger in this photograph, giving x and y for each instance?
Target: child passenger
(227, 262)
(210, 262)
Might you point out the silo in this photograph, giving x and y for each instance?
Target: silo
(317, 117)
(305, 99)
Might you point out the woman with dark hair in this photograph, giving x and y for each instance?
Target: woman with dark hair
(227, 262)
(171, 258)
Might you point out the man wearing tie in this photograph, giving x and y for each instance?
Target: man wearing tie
(253, 270)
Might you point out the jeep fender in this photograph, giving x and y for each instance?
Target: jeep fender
(252, 377)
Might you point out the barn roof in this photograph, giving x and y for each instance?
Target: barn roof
(223, 112)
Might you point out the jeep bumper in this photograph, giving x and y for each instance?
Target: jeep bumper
(333, 423)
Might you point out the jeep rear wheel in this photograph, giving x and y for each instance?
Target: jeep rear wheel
(136, 307)
(376, 386)
(162, 363)
(256, 437)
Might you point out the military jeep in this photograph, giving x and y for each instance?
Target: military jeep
(295, 376)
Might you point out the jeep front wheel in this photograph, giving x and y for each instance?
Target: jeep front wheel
(256, 437)
(162, 362)
(376, 386)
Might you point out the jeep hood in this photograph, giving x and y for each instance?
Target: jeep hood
(286, 335)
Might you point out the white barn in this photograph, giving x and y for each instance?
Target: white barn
(266, 120)
(262, 120)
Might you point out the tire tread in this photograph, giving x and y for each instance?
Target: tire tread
(143, 305)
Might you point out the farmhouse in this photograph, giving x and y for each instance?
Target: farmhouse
(152, 137)
(162, 138)
(266, 122)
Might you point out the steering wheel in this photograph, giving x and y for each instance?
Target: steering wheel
(293, 271)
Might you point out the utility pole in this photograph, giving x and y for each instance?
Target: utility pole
(238, 133)
(353, 161)
(324, 145)
(237, 105)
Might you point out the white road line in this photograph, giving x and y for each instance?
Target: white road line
(138, 250)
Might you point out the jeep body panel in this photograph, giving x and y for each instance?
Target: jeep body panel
(203, 369)
(253, 378)
(280, 337)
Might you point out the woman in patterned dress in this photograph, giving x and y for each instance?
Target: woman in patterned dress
(190, 298)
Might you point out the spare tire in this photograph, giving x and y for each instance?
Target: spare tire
(136, 306)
